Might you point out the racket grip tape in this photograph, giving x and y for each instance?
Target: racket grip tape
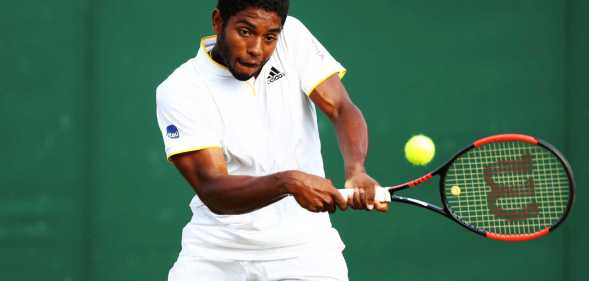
(381, 194)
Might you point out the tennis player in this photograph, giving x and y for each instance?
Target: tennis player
(239, 123)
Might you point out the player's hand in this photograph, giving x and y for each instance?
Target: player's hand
(314, 193)
(363, 195)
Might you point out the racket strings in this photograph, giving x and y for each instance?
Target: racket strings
(508, 188)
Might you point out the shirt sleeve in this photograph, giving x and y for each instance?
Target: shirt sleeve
(187, 121)
(312, 61)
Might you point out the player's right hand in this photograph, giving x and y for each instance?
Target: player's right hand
(314, 193)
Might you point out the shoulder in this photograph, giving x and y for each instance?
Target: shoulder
(293, 24)
(293, 36)
(293, 27)
(180, 86)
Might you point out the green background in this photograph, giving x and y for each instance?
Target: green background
(86, 193)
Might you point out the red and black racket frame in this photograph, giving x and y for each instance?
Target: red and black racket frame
(445, 211)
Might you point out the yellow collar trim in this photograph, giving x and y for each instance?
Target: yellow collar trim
(206, 50)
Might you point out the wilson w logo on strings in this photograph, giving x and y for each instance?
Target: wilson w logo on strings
(518, 189)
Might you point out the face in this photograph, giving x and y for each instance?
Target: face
(247, 40)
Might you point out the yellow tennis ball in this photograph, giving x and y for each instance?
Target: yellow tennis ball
(455, 190)
(420, 150)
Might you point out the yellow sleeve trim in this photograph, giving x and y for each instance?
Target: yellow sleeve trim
(191, 149)
(341, 73)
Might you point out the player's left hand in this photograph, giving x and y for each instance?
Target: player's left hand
(363, 195)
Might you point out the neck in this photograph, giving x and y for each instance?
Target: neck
(214, 53)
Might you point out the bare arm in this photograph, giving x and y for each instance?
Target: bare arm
(206, 171)
(352, 134)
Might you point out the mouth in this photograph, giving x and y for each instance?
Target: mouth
(253, 65)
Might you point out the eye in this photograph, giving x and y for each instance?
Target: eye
(244, 32)
(270, 38)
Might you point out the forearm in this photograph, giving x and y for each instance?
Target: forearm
(231, 194)
(206, 171)
(352, 133)
(352, 136)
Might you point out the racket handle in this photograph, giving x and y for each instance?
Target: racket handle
(381, 194)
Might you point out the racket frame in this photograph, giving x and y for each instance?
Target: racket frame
(442, 171)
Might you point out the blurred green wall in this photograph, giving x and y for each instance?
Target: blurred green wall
(43, 175)
(578, 135)
(86, 193)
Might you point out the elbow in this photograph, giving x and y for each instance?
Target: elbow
(214, 201)
(341, 111)
(217, 208)
(208, 199)
(332, 111)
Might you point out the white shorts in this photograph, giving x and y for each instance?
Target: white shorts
(313, 266)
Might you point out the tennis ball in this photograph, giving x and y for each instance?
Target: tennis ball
(420, 150)
(455, 190)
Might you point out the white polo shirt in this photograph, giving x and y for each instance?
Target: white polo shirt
(264, 125)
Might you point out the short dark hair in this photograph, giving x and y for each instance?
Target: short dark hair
(229, 8)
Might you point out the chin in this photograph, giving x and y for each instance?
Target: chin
(241, 76)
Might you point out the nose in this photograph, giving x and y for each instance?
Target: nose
(255, 48)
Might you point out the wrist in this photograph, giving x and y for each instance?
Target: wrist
(353, 170)
(286, 182)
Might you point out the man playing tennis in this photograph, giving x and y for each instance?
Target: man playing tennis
(239, 123)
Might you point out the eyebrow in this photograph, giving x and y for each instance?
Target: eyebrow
(252, 26)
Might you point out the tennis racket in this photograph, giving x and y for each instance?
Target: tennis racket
(507, 187)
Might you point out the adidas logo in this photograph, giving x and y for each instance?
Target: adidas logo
(275, 74)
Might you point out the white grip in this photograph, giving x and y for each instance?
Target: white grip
(381, 194)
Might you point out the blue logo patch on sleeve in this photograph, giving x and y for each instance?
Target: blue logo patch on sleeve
(172, 132)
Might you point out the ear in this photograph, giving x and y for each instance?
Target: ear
(217, 22)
